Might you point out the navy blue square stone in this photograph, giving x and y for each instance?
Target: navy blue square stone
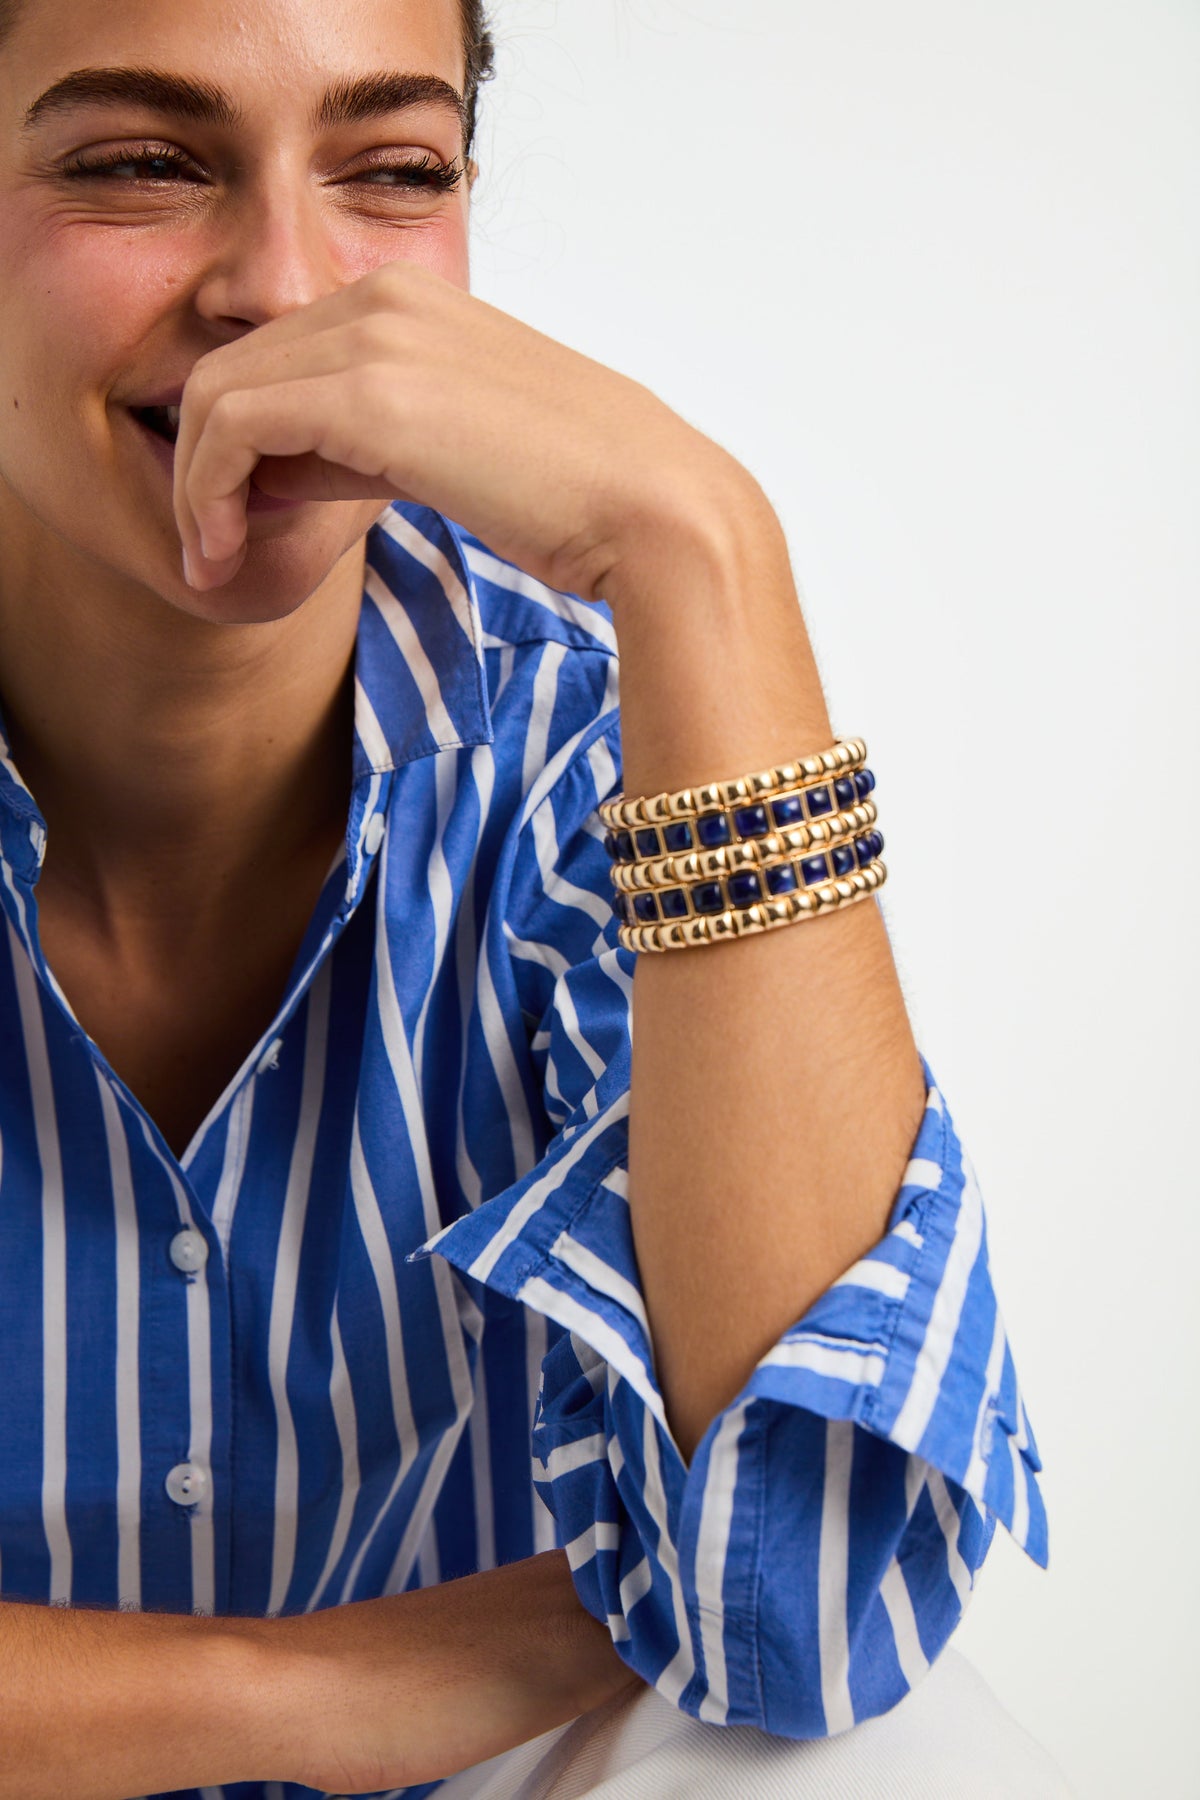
(864, 781)
(645, 908)
(678, 836)
(647, 842)
(864, 850)
(845, 791)
(712, 829)
(610, 843)
(618, 905)
(745, 888)
(814, 869)
(782, 879)
(788, 811)
(820, 802)
(625, 847)
(876, 843)
(752, 821)
(843, 859)
(674, 903)
(707, 897)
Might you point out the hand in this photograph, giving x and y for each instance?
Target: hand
(403, 386)
(389, 1693)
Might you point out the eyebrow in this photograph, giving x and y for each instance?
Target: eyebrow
(346, 102)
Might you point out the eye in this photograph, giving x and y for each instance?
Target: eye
(133, 163)
(426, 175)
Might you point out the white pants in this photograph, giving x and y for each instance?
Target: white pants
(949, 1739)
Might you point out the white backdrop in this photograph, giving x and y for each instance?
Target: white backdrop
(932, 272)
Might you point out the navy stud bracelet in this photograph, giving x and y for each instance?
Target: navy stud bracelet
(731, 858)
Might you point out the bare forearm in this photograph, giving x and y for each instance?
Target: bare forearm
(112, 1704)
(776, 1086)
(381, 1693)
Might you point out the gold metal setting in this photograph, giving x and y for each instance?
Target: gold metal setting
(779, 846)
(764, 915)
(622, 813)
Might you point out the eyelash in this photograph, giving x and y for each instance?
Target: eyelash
(430, 172)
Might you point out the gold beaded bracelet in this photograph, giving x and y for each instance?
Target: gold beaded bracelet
(621, 812)
(765, 915)
(778, 846)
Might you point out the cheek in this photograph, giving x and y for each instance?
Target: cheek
(77, 301)
(437, 244)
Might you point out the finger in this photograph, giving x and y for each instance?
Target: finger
(321, 417)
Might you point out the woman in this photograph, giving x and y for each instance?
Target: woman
(328, 1170)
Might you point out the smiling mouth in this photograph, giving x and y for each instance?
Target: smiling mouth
(162, 420)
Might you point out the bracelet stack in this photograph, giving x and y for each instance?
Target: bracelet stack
(731, 858)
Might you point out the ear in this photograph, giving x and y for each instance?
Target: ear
(472, 171)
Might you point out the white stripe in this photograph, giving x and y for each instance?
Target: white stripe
(600, 1276)
(1020, 1519)
(403, 1073)
(847, 1362)
(833, 1575)
(430, 557)
(233, 1165)
(682, 1666)
(564, 1459)
(466, 940)
(374, 1235)
(54, 1276)
(529, 950)
(635, 1586)
(536, 748)
(481, 1472)
(566, 606)
(879, 1277)
(976, 1474)
(923, 1174)
(504, 1067)
(370, 731)
(440, 889)
(129, 1437)
(908, 1231)
(536, 1340)
(416, 658)
(603, 1535)
(893, 1591)
(341, 1399)
(539, 1191)
(934, 1354)
(712, 1550)
(951, 1525)
(284, 1284)
(596, 1331)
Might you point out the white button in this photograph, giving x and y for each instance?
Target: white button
(270, 1056)
(374, 836)
(187, 1483)
(188, 1252)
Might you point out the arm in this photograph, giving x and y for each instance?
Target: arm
(792, 1052)
(379, 1693)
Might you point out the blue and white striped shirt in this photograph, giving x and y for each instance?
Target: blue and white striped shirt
(380, 1325)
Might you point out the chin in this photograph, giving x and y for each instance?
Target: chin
(280, 573)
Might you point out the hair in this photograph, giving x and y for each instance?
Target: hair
(480, 61)
(479, 51)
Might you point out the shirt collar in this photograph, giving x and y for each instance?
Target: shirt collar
(420, 684)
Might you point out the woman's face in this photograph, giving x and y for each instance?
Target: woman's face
(172, 174)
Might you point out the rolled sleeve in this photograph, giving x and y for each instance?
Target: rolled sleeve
(805, 1569)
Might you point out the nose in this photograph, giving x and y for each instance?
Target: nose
(273, 254)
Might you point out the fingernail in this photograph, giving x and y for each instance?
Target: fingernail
(188, 574)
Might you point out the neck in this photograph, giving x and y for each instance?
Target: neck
(175, 759)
